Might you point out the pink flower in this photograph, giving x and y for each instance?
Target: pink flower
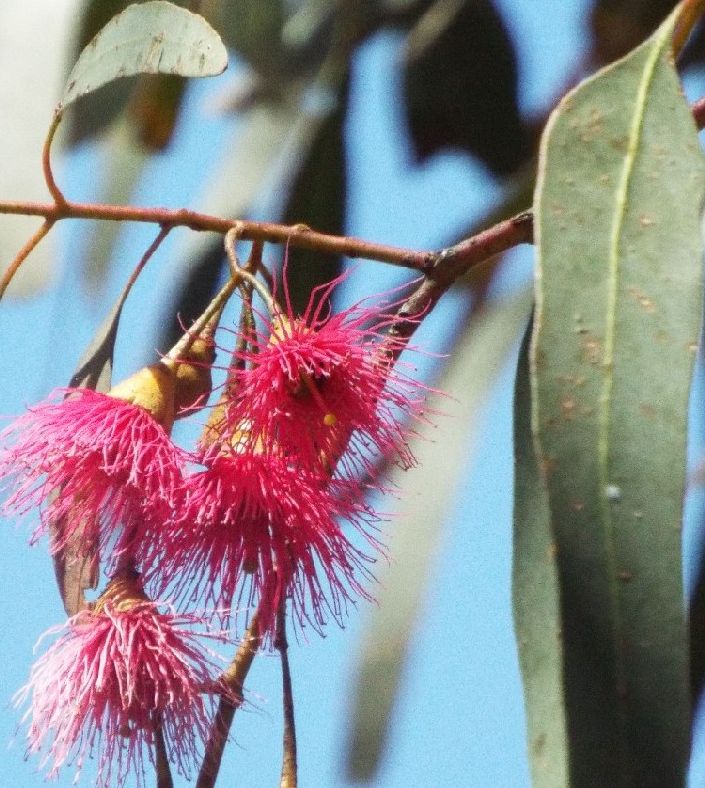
(320, 387)
(112, 679)
(89, 458)
(255, 529)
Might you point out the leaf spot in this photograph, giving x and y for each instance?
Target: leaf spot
(613, 493)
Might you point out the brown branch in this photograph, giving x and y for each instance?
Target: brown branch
(691, 11)
(296, 235)
(54, 190)
(699, 112)
(289, 762)
(233, 679)
(451, 264)
(23, 254)
(164, 778)
(463, 256)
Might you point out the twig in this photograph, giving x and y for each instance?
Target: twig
(178, 352)
(164, 778)
(147, 256)
(296, 235)
(453, 263)
(233, 679)
(23, 254)
(54, 190)
(699, 112)
(691, 11)
(468, 253)
(289, 764)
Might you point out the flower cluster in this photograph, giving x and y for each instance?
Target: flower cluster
(118, 677)
(269, 509)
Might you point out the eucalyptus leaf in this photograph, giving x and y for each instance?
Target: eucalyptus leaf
(618, 287)
(89, 117)
(149, 38)
(427, 492)
(536, 600)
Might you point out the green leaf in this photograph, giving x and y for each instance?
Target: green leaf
(618, 288)
(152, 100)
(427, 492)
(536, 600)
(151, 38)
(90, 116)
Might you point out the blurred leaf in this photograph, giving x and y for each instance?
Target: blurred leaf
(280, 40)
(149, 125)
(309, 22)
(536, 598)
(27, 103)
(195, 293)
(694, 52)
(152, 38)
(461, 85)
(426, 493)
(318, 199)
(125, 160)
(253, 29)
(620, 25)
(697, 635)
(154, 107)
(618, 309)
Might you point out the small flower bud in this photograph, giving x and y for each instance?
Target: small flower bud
(151, 388)
(193, 380)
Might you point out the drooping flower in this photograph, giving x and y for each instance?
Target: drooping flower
(95, 460)
(255, 529)
(116, 679)
(322, 388)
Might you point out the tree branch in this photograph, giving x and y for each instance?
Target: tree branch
(452, 263)
(289, 774)
(164, 778)
(233, 679)
(438, 266)
(24, 253)
(54, 190)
